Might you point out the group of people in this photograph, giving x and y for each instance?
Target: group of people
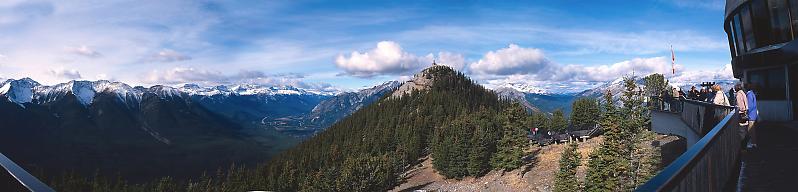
(741, 95)
(705, 94)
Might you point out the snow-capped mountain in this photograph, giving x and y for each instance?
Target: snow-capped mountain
(27, 90)
(19, 91)
(543, 87)
(250, 89)
(522, 87)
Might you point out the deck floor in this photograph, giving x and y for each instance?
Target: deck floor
(774, 165)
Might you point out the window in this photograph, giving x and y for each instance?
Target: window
(770, 83)
(794, 16)
(779, 21)
(738, 33)
(748, 32)
(761, 19)
(733, 39)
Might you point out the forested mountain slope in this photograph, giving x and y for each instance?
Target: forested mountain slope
(452, 118)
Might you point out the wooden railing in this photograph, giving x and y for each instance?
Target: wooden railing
(14, 178)
(710, 163)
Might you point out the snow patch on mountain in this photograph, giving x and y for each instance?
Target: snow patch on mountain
(19, 91)
(542, 87)
(27, 90)
(250, 89)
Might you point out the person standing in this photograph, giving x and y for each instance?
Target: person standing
(711, 93)
(742, 108)
(702, 96)
(720, 98)
(753, 114)
(675, 99)
(693, 93)
(732, 97)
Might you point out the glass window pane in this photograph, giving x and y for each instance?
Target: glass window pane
(760, 17)
(733, 39)
(770, 83)
(794, 16)
(748, 29)
(738, 31)
(779, 21)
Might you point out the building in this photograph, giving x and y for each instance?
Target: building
(762, 39)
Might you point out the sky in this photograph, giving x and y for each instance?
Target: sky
(353, 44)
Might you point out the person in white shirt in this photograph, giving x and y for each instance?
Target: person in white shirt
(720, 98)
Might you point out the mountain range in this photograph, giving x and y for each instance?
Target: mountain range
(115, 128)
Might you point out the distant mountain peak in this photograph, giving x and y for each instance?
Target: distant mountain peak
(27, 90)
(19, 91)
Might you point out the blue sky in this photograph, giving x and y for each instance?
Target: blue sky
(351, 44)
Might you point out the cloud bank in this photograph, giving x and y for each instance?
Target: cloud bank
(516, 62)
(388, 58)
(511, 61)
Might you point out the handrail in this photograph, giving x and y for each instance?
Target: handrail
(24, 178)
(682, 175)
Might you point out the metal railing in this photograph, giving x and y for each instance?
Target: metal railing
(20, 179)
(670, 104)
(710, 163)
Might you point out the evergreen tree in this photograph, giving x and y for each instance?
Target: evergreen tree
(625, 158)
(566, 178)
(510, 148)
(558, 121)
(540, 121)
(606, 163)
(584, 113)
(655, 84)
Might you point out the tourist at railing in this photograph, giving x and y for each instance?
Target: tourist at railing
(719, 97)
(753, 114)
(665, 97)
(708, 95)
(703, 94)
(741, 101)
(693, 93)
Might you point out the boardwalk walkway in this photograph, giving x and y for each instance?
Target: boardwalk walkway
(774, 165)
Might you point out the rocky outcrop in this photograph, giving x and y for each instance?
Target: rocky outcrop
(420, 81)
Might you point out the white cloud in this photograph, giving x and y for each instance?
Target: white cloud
(512, 60)
(65, 73)
(453, 60)
(532, 64)
(387, 58)
(84, 51)
(638, 66)
(168, 55)
(724, 73)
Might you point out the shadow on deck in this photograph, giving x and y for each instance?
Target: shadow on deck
(773, 166)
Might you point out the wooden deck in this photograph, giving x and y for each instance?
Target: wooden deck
(774, 165)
